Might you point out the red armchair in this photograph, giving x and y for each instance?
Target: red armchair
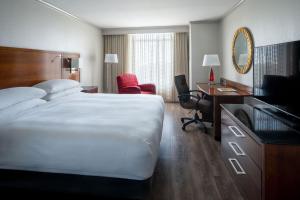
(128, 84)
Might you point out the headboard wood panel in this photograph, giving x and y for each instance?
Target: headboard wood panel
(26, 67)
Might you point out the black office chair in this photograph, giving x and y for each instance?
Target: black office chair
(193, 102)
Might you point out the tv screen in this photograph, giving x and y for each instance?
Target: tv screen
(276, 78)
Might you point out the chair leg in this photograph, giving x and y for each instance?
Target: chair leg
(203, 125)
(196, 119)
(185, 118)
(205, 128)
(187, 123)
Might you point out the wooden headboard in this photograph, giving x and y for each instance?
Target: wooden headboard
(26, 67)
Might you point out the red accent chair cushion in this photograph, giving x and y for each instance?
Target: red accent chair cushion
(128, 84)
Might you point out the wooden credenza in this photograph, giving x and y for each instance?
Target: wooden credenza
(261, 152)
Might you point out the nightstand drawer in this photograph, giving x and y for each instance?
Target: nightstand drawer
(90, 89)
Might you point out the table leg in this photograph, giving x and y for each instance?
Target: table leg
(218, 100)
(217, 118)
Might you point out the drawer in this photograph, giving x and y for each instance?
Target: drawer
(233, 150)
(246, 174)
(231, 131)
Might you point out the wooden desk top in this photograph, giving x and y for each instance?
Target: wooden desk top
(211, 90)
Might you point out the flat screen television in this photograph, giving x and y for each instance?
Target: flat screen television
(276, 74)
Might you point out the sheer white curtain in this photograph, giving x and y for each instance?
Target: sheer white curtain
(151, 58)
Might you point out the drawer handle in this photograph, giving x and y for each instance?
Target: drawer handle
(235, 163)
(237, 149)
(236, 131)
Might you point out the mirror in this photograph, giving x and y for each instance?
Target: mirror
(242, 50)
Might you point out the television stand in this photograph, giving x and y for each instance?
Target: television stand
(263, 159)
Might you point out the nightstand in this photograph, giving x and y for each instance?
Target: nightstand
(89, 89)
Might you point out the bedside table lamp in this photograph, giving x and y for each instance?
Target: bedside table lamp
(211, 60)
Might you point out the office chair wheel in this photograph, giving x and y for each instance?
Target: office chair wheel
(183, 128)
(182, 120)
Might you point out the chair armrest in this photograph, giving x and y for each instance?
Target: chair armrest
(130, 90)
(198, 98)
(189, 95)
(195, 91)
(202, 94)
(148, 87)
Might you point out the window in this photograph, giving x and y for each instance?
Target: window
(151, 58)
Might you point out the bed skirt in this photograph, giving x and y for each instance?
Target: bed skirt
(12, 181)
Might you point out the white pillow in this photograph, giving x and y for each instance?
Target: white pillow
(52, 96)
(11, 96)
(12, 112)
(57, 85)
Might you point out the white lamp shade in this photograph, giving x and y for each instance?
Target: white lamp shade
(111, 58)
(211, 60)
(243, 59)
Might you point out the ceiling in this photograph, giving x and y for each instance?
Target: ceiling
(144, 13)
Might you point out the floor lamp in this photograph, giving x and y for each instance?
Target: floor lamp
(110, 59)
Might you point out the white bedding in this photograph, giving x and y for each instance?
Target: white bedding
(88, 134)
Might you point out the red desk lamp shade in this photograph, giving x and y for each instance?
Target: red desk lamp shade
(211, 75)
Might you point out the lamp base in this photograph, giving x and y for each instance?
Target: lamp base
(211, 78)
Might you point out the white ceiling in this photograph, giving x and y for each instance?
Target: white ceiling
(144, 13)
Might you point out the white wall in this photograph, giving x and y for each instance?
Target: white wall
(270, 21)
(204, 39)
(30, 24)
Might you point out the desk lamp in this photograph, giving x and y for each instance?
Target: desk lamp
(211, 60)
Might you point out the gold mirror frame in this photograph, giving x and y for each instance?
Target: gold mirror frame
(248, 36)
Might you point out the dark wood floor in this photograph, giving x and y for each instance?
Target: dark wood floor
(190, 166)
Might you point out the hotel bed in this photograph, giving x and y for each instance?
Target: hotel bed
(85, 135)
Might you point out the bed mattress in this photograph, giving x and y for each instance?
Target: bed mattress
(105, 135)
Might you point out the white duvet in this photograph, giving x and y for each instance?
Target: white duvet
(104, 135)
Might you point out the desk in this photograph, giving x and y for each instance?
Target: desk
(222, 98)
